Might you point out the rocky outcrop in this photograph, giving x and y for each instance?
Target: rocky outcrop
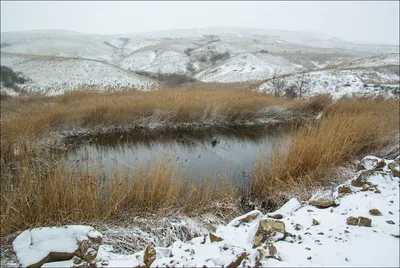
(37, 246)
(215, 238)
(150, 255)
(269, 230)
(323, 199)
(395, 167)
(362, 178)
(360, 221)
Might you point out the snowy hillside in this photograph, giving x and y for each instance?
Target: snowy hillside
(371, 76)
(54, 75)
(249, 67)
(70, 60)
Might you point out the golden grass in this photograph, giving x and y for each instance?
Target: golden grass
(34, 116)
(349, 128)
(36, 193)
(40, 190)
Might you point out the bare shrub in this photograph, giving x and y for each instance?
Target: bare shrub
(190, 67)
(219, 57)
(10, 78)
(203, 59)
(189, 50)
(291, 92)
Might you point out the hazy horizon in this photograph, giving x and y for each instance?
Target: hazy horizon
(358, 22)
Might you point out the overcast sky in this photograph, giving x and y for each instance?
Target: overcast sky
(357, 21)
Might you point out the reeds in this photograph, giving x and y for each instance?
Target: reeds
(349, 128)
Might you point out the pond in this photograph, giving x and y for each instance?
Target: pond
(228, 152)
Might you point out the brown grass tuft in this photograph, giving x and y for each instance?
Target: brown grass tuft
(37, 192)
(349, 128)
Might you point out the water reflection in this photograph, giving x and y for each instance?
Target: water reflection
(230, 152)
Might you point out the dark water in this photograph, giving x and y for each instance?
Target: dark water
(198, 154)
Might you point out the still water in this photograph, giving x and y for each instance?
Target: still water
(228, 152)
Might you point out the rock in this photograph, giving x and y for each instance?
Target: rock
(268, 251)
(276, 216)
(267, 230)
(315, 222)
(366, 222)
(238, 261)
(87, 250)
(362, 178)
(390, 222)
(397, 236)
(215, 238)
(298, 227)
(359, 166)
(344, 190)
(375, 212)
(395, 167)
(352, 220)
(364, 188)
(249, 217)
(149, 255)
(322, 199)
(371, 163)
(38, 246)
(381, 164)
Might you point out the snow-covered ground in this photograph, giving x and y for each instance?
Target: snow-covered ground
(339, 83)
(156, 62)
(71, 60)
(367, 76)
(55, 75)
(352, 224)
(249, 67)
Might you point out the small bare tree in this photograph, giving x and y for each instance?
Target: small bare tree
(304, 85)
(278, 84)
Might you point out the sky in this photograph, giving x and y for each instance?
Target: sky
(356, 21)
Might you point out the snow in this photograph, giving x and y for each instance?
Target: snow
(331, 242)
(374, 61)
(52, 75)
(57, 61)
(156, 62)
(288, 208)
(340, 83)
(249, 67)
(31, 246)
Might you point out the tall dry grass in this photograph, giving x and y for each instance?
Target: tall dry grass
(349, 128)
(33, 117)
(36, 192)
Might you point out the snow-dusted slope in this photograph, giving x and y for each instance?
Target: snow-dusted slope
(369, 76)
(374, 61)
(340, 83)
(249, 67)
(155, 62)
(107, 48)
(208, 54)
(55, 75)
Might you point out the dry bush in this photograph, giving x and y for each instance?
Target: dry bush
(349, 128)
